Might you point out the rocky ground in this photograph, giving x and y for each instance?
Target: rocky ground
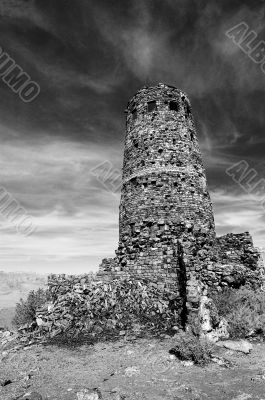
(128, 370)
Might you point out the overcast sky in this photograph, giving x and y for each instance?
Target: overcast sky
(89, 58)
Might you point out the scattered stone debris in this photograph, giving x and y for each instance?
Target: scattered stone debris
(243, 396)
(222, 362)
(259, 377)
(11, 342)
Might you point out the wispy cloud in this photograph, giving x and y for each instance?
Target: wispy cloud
(239, 212)
(75, 215)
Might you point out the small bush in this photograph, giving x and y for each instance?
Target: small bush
(25, 312)
(244, 310)
(191, 348)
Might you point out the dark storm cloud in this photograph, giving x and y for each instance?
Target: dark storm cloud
(89, 58)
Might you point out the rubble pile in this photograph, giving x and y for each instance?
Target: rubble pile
(10, 342)
(97, 307)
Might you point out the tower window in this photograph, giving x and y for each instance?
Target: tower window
(134, 114)
(187, 109)
(151, 106)
(173, 106)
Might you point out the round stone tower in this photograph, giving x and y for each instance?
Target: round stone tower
(164, 189)
(167, 232)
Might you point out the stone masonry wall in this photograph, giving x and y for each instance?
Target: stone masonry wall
(166, 227)
(164, 183)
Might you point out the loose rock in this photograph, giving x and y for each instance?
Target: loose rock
(236, 345)
(130, 371)
(89, 394)
(187, 363)
(32, 396)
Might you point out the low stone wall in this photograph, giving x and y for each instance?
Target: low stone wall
(212, 260)
(238, 263)
(238, 249)
(93, 304)
(200, 264)
(59, 285)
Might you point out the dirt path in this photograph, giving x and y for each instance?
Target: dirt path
(130, 370)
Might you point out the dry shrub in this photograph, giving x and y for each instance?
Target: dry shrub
(244, 310)
(190, 347)
(25, 312)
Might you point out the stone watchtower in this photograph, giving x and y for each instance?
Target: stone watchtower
(166, 227)
(164, 189)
